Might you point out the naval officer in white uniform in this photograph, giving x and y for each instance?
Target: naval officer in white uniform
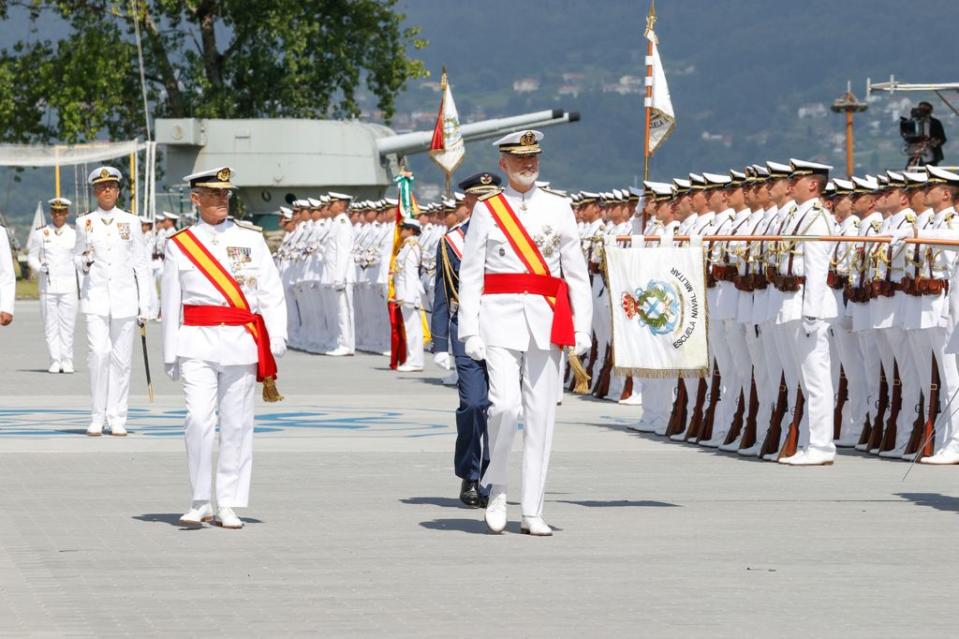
(506, 319)
(50, 254)
(8, 281)
(206, 342)
(110, 251)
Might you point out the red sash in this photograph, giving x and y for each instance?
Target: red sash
(538, 279)
(238, 312)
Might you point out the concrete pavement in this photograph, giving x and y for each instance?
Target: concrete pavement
(355, 529)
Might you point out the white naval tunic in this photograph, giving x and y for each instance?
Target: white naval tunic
(52, 248)
(408, 288)
(8, 281)
(218, 363)
(110, 299)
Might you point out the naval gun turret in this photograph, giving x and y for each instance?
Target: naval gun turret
(273, 158)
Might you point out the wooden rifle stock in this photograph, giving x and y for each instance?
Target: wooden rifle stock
(677, 418)
(774, 432)
(749, 430)
(841, 396)
(791, 445)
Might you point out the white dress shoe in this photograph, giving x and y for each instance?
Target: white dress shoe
(535, 526)
(789, 461)
(894, 453)
(942, 458)
(197, 515)
(752, 451)
(809, 457)
(386, 353)
(118, 431)
(228, 519)
(873, 451)
(451, 379)
(68, 367)
(54, 368)
(678, 437)
(847, 442)
(910, 456)
(714, 442)
(496, 512)
(731, 447)
(406, 368)
(862, 447)
(771, 456)
(643, 427)
(632, 400)
(95, 430)
(342, 351)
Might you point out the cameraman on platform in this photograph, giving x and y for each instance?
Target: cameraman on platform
(924, 136)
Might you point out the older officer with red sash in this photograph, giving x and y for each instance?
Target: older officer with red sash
(224, 321)
(524, 295)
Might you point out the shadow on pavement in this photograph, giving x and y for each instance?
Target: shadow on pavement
(618, 503)
(933, 500)
(443, 502)
(173, 519)
(474, 526)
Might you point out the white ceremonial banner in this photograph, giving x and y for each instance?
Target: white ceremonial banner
(662, 120)
(658, 300)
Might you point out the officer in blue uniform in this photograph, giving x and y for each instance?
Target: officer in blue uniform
(471, 456)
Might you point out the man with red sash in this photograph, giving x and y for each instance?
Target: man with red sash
(524, 295)
(224, 322)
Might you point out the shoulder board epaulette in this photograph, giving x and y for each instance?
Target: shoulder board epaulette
(546, 189)
(855, 222)
(249, 226)
(487, 196)
(39, 228)
(911, 217)
(875, 225)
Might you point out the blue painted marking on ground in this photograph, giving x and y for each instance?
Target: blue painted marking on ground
(52, 422)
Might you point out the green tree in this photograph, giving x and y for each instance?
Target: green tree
(202, 58)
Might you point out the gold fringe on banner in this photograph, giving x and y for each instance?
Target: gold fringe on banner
(270, 392)
(669, 373)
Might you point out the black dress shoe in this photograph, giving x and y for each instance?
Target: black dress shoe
(469, 493)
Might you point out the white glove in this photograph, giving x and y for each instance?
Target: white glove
(44, 268)
(277, 346)
(475, 348)
(339, 286)
(173, 371)
(141, 318)
(442, 360)
(811, 324)
(583, 343)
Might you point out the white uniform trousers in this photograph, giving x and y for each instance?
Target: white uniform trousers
(757, 361)
(854, 365)
(343, 307)
(413, 328)
(313, 324)
(811, 353)
(59, 312)
(872, 367)
(909, 375)
(716, 332)
(110, 345)
(219, 394)
(522, 383)
(738, 374)
(932, 342)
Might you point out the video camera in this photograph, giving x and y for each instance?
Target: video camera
(914, 128)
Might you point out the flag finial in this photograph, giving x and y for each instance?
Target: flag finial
(443, 79)
(651, 17)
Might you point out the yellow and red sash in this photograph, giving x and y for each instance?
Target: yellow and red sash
(238, 312)
(538, 279)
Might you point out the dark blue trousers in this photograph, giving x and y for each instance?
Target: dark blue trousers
(471, 456)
